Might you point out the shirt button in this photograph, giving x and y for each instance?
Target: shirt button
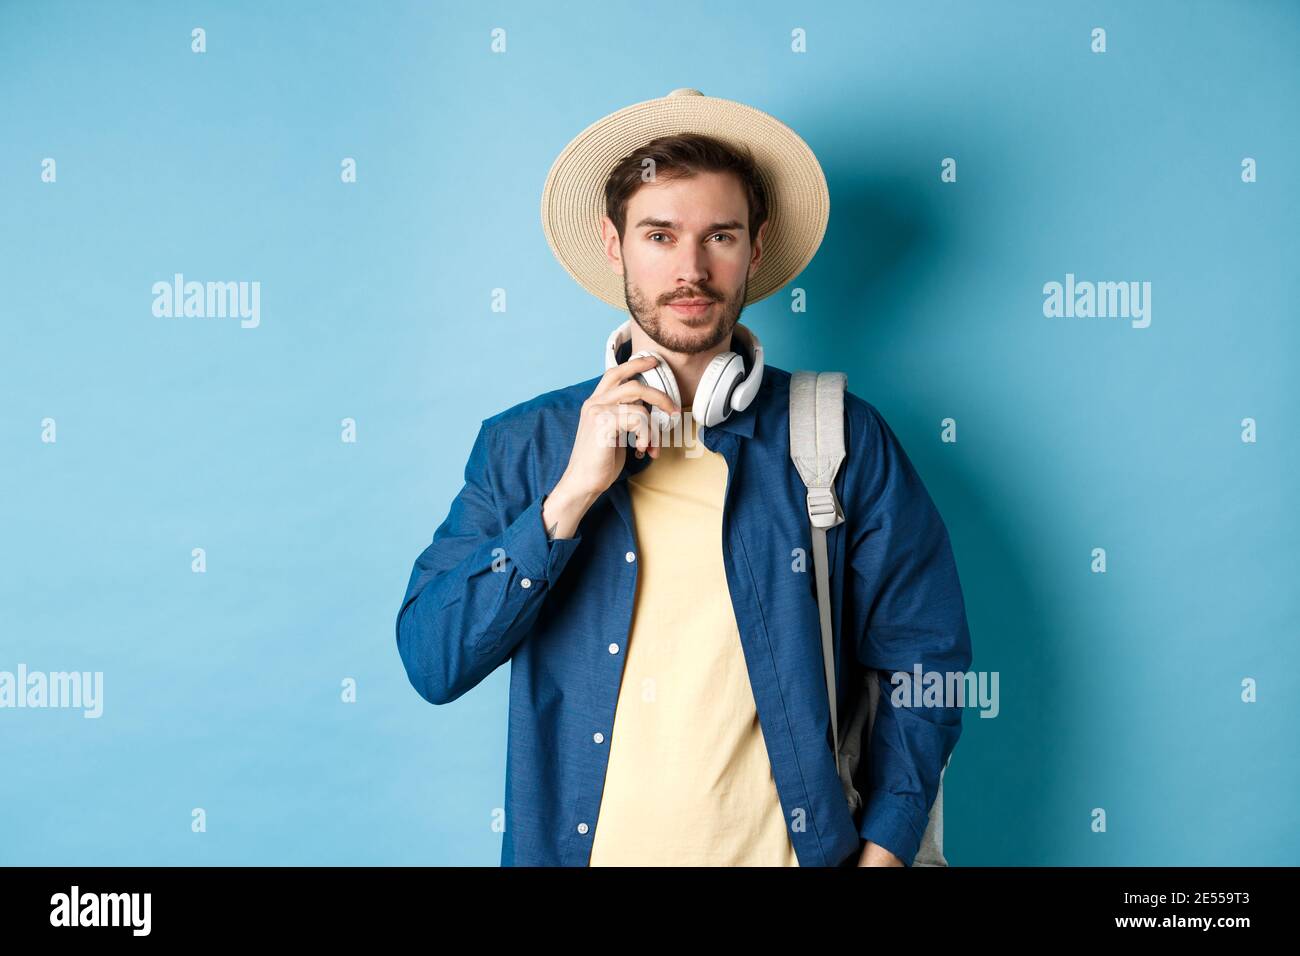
(613, 648)
(525, 583)
(629, 557)
(582, 828)
(598, 737)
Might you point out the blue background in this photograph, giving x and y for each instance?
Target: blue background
(222, 690)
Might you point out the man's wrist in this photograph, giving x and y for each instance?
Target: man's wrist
(875, 855)
(562, 511)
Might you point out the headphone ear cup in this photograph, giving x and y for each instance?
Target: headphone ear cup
(660, 377)
(713, 395)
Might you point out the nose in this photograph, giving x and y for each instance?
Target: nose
(692, 265)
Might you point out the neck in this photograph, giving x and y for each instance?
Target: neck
(688, 367)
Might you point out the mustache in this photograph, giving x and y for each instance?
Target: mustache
(711, 296)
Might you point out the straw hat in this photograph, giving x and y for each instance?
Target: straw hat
(573, 200)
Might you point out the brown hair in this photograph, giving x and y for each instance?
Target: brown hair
(681, 155)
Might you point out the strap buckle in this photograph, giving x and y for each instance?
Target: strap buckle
(824, 509)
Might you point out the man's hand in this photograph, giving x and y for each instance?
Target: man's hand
(875, 855)
(615, 407)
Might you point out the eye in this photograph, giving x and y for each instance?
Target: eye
(722, 234)
(653, 234)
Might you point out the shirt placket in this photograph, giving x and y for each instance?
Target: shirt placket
(768, 699)
(611, 660)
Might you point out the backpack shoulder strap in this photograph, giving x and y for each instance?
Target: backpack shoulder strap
(817, 440)
(817, 450)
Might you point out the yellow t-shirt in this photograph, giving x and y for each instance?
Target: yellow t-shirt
(689, 782)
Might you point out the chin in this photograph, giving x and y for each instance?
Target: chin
(705, 321)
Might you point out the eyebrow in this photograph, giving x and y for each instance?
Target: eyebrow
(731, 224)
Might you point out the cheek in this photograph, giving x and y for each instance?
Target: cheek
(651, 276)
(730, 270)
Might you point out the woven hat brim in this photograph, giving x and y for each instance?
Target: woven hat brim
(573, 199)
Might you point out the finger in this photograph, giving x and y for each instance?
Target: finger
(608, 426)
(640, 391)
(619, 373)
(636, 420)
(636, 424)
(615, 421)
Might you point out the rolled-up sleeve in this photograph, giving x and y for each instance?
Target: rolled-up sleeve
(910, 610)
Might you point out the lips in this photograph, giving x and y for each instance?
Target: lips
(691, 306)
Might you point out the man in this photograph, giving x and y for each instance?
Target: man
(668, 704)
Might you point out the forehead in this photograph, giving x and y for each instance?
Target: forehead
(700, 198)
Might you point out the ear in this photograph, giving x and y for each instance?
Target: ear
(613, 245)
(756, 248)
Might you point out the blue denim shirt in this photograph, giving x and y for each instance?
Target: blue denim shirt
(491, 587)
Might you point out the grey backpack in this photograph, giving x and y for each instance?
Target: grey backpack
(817, 449)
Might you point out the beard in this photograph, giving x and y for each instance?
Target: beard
(696, 338)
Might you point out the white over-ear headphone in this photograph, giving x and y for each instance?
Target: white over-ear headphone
(724, 387)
